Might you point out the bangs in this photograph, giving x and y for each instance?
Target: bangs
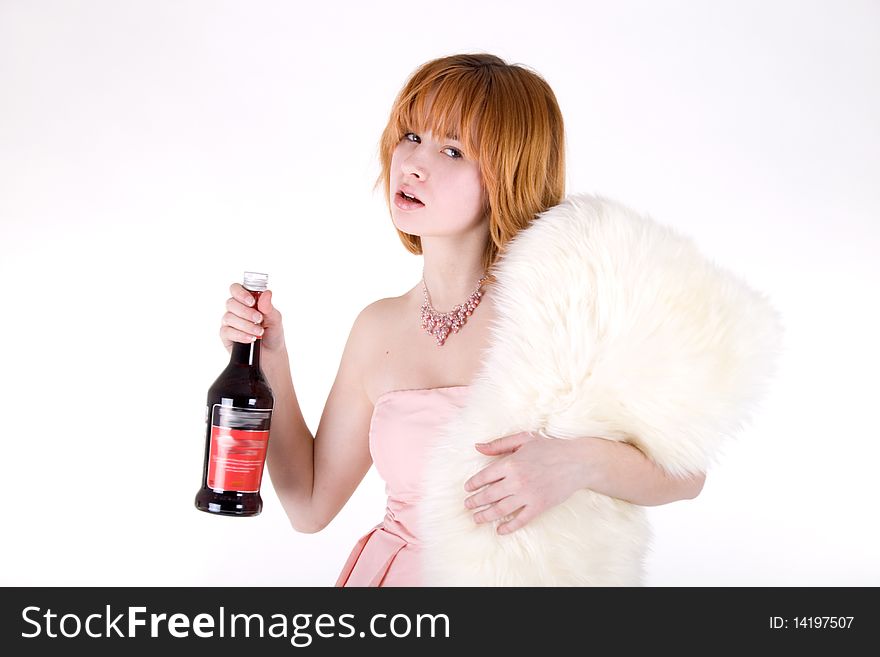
(451, 107)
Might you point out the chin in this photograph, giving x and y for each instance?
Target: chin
(404, 228)
(410, 224)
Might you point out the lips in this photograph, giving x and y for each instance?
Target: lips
(406, 200)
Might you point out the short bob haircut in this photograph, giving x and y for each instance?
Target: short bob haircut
(506, 118)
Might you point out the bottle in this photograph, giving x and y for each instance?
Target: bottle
(237, 418)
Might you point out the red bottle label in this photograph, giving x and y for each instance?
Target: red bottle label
(239, 437)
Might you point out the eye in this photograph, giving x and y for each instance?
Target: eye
(454, 153)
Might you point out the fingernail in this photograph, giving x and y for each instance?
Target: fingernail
(258, 318)
(249, 301)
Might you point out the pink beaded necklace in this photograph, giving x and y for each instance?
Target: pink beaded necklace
(440, 324)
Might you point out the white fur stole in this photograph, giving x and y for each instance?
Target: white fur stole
(609, 325)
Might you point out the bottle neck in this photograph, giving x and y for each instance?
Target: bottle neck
(246, 355)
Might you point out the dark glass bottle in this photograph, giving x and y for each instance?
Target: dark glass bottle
(237, 418)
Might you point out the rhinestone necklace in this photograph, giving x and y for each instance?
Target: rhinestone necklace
(440, 324)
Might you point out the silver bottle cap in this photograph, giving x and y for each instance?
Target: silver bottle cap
(256, 282)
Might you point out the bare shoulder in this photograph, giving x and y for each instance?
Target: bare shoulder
(375, 320)
(378, 312)
(378, 340)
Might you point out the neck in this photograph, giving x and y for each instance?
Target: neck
(451, 272)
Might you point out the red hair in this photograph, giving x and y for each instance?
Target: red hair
(505, 116)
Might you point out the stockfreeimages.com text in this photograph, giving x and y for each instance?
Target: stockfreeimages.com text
(301, 629)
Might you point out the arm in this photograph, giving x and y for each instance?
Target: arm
(315, 477)
(623, 471)
(536, 473)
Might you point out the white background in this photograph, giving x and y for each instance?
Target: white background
(150, 152)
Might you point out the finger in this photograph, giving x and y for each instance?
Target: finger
(238, 309)
(505, 443)
(489, 495)
(488, 475)
(235, 325)
(492, 449)
(239, 293)
(230, 335)
(521, 518)
(265, 302)
(498, 510)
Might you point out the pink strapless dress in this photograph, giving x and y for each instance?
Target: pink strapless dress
(404, 425)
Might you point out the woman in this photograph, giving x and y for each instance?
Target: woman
(472, 153)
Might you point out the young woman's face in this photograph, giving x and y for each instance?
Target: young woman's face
(446, 182)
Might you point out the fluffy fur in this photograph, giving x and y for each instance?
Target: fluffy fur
(608, 325)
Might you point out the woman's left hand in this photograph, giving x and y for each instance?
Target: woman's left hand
(533, 474)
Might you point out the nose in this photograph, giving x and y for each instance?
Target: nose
(414, 166)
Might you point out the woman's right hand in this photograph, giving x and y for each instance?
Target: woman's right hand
(242, 321)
